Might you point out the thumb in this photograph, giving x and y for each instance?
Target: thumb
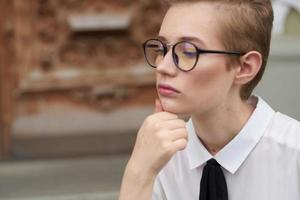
(158, 106)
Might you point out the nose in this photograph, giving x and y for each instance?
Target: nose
(167, 65)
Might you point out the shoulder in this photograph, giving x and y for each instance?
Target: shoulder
(284, 130)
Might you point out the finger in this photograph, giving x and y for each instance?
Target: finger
(179, 145)
(180, 133)
(163, 116)
(171, 123)
(158, 106)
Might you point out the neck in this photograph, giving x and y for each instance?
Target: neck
(218, 127)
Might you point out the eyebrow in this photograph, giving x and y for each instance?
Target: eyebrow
(185, 38)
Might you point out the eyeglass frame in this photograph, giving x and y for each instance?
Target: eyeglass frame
(199, 51)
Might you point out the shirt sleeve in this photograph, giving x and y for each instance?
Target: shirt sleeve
(158, 191)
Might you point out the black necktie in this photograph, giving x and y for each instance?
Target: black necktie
(213, 184)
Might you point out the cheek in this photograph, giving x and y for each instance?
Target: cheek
(208, 84)
(206, 79)
(202, 89)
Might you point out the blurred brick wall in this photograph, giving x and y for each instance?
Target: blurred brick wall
(62, 68)
(53, 57)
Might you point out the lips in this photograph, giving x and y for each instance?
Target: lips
(167, 90)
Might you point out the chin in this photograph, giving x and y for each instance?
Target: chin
(175, 107)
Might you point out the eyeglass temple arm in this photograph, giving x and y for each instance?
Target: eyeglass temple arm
(201, 51)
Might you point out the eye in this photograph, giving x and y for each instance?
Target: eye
(189, 54)
(186, 50)
(159, 50)
(156, 48)
(152, 46)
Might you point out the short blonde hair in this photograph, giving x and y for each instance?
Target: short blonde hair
(246, 25)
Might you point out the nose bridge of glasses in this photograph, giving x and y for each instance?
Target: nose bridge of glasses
(167, 47)
(168, 53)
(167, 60)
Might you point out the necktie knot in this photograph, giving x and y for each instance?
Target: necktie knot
(213, 162)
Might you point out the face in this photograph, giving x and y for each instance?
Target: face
(209, 84)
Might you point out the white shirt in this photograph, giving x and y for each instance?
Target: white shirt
(261, 163)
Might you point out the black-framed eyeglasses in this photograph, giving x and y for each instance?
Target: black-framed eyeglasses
(185, 54)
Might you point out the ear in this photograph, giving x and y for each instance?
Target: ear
(250, 65)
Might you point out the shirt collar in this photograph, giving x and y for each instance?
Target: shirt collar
(236, 151)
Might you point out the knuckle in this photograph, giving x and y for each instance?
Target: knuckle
(182, 143)
(149, 119)
(185, 134)
(157, 125)
(182, 133)
(159, 135)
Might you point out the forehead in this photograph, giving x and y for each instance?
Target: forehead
(192, 20)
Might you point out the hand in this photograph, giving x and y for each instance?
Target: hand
(161, 135)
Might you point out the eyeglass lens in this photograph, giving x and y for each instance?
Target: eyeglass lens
(184, 54)
(154, 52)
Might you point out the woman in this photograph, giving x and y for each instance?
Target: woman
(209, 56)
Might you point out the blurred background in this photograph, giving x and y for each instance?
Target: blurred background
(74, 89)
